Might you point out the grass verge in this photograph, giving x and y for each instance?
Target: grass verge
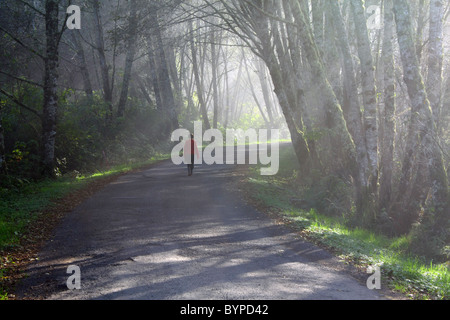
(400, 271)
(29, 213)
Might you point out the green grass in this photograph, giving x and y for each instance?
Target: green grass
(19, 206)
(401, 271)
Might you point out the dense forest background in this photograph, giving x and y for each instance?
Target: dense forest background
(362, 89)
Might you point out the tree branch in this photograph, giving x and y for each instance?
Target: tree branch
(16, 101)
(32, 8)
(21, 79)
(22, 44)
(64, 26)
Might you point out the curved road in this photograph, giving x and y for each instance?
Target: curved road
(159, 234)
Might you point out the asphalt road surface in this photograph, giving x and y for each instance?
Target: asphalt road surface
(159, 234)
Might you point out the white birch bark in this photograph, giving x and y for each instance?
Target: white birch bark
(368, 87)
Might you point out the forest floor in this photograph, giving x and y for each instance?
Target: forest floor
(158, 234)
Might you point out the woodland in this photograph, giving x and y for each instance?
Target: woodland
(360, 88)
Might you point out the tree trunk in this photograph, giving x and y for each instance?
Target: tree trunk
(3, 167)
(252, 89)
(332, 106)
(265, 90)
(369, 91)
(168, 100)
(421, 22)
(289, 92)
(82, 64)
(50, 106)
(344, 148)
(421, 142)
(214, 78)
(198, 83)
(227, 91)
(350, 106)
(318, 19)
(177, 91)
(104, 68)
(153, 73)
(132, 36)
(435, 57)
(388, 121)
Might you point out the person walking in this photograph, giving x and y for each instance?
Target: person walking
(190, 151)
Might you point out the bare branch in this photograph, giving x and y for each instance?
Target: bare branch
(21, 79)
(16, 101)
(32, 7)
(22, 44)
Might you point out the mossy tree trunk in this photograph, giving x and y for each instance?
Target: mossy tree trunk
(421, 144)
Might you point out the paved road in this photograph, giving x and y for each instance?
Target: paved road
(159, 234)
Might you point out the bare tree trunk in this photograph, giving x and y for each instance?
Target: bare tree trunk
(350, 106)
(170, 108)
(421, 22)
(3, 167)
(144, 90)
(265, 90)
(336, 122)
(369, 90)
(132, 36)
(104, 69)
(252, 89)
(388, 121)
(435, 57)
(333, 108)
(153, 78)
(421, 142)
(50, 106)
(82, 64)
(197, 80)
(177, 91)
(234, 103)
(188, 83)
(214, 78)
(289, 92)
(318, 22)
(227, 91)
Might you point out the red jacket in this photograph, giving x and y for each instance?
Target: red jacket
(190, 148)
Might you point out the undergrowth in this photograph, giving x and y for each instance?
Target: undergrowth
(22, 204)
(410, 274)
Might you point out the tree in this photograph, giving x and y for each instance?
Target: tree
(53, 35)
(104, 68)
(198, 82)
(435, 59)
(131, 46)
(388, 121)
(214, 67)
(50, 107)
(351, 107)
(83, 67)
(3, 167)
(421, 141)
(369, 92)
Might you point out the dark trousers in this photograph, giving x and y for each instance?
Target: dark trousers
(191, 166)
